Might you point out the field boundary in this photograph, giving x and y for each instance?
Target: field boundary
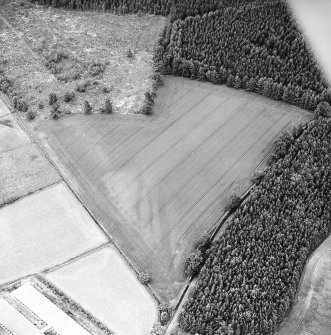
(12, 200)
(76, 258)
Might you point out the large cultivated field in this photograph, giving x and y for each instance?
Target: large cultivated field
(158, 184)
(42, 230)
(311, 314)
(103, 284)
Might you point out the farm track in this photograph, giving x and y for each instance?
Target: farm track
(311, 312)
(157, 188)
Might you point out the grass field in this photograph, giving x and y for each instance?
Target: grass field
(104, 285)
(46, 50)
(311, 315)
(160, 184)
(42, 230)
(23, 171)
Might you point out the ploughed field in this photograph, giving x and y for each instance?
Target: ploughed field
(158, 183)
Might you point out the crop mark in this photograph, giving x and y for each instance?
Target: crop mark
(7, 123)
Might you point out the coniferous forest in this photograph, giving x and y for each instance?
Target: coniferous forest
(256, 47)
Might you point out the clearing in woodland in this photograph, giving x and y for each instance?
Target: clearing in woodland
(312, 312)
(84, 54)
(103, 284)
(42, 230)
(158, 184)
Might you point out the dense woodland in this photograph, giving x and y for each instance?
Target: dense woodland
(255, 47)
(251, 275)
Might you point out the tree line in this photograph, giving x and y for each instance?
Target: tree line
(177, 9)
(249, 280)
(157, 7)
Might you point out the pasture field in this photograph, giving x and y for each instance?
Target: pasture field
(46, 50)
(103, 284)
(43, 230)
(158, 185)
(311, 314)
(23, 171)
(11, 134)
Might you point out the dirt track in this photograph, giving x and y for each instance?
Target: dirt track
(311, 313)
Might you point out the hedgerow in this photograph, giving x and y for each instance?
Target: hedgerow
(249, 280)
